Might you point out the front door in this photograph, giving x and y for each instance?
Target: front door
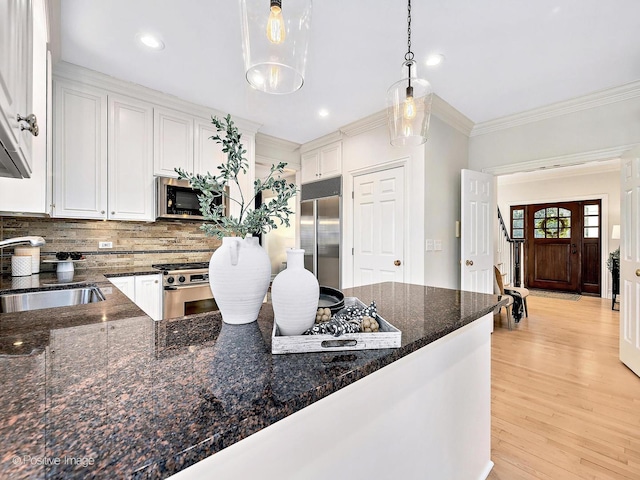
(630, 263)
(552, 246)
(562, 248)
(378, 227)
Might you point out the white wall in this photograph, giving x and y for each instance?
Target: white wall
(432, 200)
(371, 149)
(446, 155)
(585, 131)
(565, 184)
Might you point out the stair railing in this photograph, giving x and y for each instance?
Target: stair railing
(510, 253)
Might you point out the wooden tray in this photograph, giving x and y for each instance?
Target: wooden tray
(388, 337)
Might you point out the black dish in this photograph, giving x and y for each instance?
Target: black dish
(331, 298)
(62, 255)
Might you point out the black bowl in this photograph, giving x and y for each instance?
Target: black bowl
(62, 255)
(331, 298)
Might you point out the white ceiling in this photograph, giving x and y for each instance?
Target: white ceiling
(502, 56)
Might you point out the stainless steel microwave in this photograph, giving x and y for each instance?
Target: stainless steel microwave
(178, 201)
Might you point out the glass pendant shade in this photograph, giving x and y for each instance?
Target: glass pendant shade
(275, 38)
(409, 108)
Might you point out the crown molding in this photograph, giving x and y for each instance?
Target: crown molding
(322, 141)
(439, 108)
(274, 142)
(593, 100)
(76, 73)
(562, 160)
(451, 116)
(365, 124)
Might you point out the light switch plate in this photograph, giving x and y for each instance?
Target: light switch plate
(429, 245)
(105, 244)
(437, 245)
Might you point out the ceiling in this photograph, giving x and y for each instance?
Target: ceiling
(501, 56)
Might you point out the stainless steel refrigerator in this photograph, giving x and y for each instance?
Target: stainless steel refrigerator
(321, 229)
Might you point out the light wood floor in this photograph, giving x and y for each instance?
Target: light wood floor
(563, 405)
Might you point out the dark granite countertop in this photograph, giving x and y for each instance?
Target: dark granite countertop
(106, 392)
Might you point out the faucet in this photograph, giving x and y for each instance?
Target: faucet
(34, 241)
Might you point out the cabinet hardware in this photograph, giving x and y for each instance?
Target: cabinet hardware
(102, 212)
(638, 272)
(32, 122)
(397, 263)
(113, 213)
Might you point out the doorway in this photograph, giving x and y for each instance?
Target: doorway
(562, 245)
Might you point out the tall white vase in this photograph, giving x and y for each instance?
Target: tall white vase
(294, 294)
(239, 275)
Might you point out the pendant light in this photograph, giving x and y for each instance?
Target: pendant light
(275, 36)
(409, 101)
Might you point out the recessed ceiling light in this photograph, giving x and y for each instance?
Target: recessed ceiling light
(323, 112)
(150, 41)
(435, 59)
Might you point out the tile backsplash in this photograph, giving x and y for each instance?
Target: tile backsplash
(135, 244)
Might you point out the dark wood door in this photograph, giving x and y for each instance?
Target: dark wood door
(553, 246)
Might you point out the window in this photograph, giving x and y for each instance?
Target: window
(552, 222)
(517, 223)
(591, 221)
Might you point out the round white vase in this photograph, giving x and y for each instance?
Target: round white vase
(239, 275)
(294, 295)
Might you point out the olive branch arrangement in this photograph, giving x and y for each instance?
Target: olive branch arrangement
(211, 187)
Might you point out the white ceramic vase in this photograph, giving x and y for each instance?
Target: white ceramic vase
(294, 295)
(239, 275)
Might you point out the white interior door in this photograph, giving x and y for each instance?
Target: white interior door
(378, 227)
(630, 262)
(477, 232)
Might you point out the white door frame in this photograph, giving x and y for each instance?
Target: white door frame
(347, 234)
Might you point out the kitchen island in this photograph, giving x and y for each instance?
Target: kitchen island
(103, 391)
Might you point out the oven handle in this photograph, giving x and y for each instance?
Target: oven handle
(180, 287)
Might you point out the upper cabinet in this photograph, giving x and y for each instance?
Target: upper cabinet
(103, 155)
(18, 123)
(207, 153)
(32, 195)
(173, 140)
(80, 151)
(323, 162)
(184, 141)
(130, 159)
(111, 137)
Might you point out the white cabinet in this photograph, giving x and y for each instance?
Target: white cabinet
(103, 155)
(16, 83)
(33, 195)
(126, 285)
(130, 159)
(144, 290)
(173, 142)
(208, 154)
(184, 141)
(80, 151)
(320, 163)
(149, 294)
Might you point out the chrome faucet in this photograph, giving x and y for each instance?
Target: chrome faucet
(34, 241)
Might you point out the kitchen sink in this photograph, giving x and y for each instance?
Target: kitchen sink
(21, 302)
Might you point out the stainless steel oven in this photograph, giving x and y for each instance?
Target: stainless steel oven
(178, 201)
(186, 289)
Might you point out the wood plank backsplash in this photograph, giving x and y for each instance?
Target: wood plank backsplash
(135, 244)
